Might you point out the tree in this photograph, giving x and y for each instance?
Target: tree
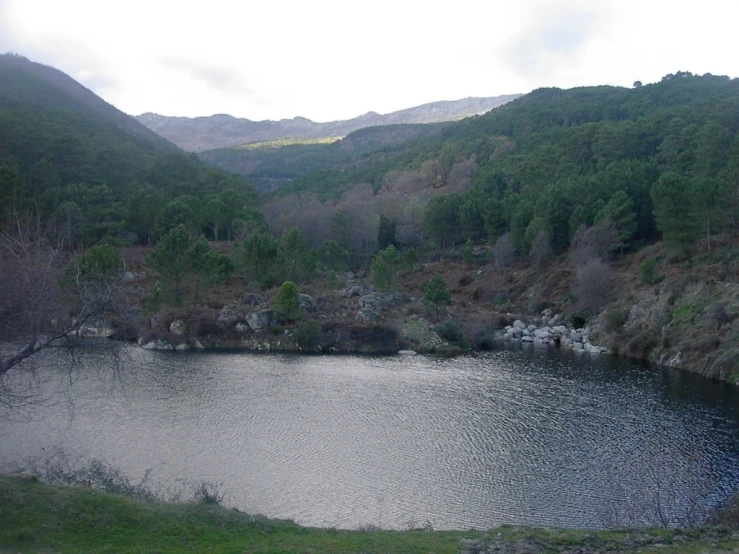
(386, 232)
(42, 304)
(468, 254)
(342, 224)
(436, 292)
(333, 257)
(171, 259)
(385, 267)
(177, 212)
(620, 212)
(256, 256)
(215, 213)
(440, 219)
(297, 262)
(674, 213)
(286, 306)
(592, 286)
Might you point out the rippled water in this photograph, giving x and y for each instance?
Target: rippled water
(506, 437)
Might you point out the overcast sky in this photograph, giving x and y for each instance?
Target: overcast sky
(327, 60)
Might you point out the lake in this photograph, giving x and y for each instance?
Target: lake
(530, 436)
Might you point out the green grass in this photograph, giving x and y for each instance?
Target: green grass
(37, 517)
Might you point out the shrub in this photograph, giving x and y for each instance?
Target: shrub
(308, 335)
(646, 271)
(451, 332)
(614, 319)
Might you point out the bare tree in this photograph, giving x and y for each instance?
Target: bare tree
(40, 306)
(593, 286)
(541, 249)
(595, 242)
(503, 252)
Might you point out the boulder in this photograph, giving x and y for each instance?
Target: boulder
(158, 344)
(366, 315)
(251, 299)
(182, 347)
(101, 327)
(259, 320)
(354, 290)
(128, 276)
(195, 343)
(547, 313)
(242, 327)
(526, 338)
(407, 352)
(307, 303)
(518, 324)
(554, 320)
(541, 334)
(560, 329)
(156, 320)
(228, 314)
(178, 327)
(371, 302)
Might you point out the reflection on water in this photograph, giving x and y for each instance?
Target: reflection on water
(507, 437)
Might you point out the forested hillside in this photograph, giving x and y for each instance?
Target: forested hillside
(274, 165)
(83, 166)
(656, 159)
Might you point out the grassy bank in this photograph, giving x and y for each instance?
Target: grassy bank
(37, 517)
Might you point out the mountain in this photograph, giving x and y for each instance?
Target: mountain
(66, 154)
(222, 131)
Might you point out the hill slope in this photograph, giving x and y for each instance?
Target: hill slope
(221, 131)
(66, 154)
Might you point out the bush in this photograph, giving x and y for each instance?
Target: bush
(308, 335)
(450, 331)
(647, 271)
(541, 249)
(614, 319)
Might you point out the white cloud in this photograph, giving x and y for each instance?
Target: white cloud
(330, 59)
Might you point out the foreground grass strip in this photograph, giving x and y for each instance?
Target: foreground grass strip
(37, 517)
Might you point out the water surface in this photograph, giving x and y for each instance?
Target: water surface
(535, 437)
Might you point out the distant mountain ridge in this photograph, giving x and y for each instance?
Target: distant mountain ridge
(223, 131)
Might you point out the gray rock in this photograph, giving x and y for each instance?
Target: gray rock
(156, 320)
(101, 327)
(307, 303)
(178, 327)
(371, 302)
(366, 315)
(519, 324)
(541, 334)
(251, 299)
(259, 320)
(195, 343)
(242, 327)
(128, 276)
(354, 290)
(182, 347)
(554, 320)
(547, 313)
(158, 344)
(527, 338)
(228, 314)
(560, 329)
(407, 352)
